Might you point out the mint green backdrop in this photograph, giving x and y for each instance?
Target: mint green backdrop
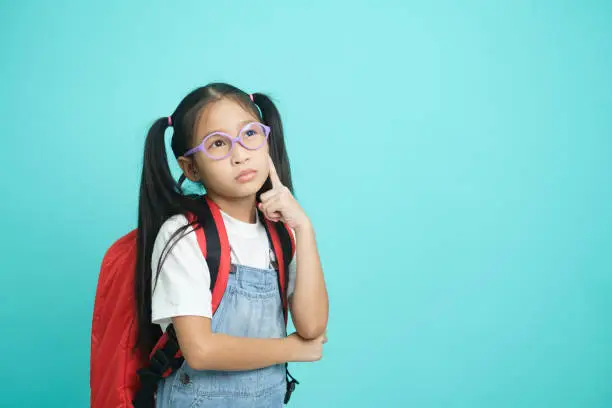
(453, 156)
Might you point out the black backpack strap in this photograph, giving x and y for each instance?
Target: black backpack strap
(286, 247)
(291, 383)
(162, 360)
(213, 243)
(287, 250)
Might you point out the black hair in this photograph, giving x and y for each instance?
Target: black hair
(161, 196)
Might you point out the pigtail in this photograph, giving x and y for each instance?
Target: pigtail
(158, 201)
(278, 150)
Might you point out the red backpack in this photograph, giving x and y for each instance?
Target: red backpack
(121, 377)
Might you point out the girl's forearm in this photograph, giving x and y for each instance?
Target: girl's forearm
(309, 304)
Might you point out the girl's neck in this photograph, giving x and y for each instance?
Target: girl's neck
(242, 209)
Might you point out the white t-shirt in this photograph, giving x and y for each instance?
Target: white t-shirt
(183, 286)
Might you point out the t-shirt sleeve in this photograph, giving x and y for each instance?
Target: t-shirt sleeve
(183, 285)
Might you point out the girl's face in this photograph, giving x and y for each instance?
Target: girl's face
(244, 171)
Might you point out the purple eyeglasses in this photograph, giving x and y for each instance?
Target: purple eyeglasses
(219, 145)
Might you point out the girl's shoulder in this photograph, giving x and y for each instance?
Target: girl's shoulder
(177, 237)
(173, 223)
(169, 228)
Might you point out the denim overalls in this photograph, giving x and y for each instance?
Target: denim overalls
(251, 307)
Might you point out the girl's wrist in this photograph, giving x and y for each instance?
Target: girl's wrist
(304, 226)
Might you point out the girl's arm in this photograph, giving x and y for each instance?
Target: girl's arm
(309, 303)
(205, 350)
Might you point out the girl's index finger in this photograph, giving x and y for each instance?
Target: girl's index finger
(276, 182)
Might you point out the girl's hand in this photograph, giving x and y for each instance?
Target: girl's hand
(305, 350)
(278, 204)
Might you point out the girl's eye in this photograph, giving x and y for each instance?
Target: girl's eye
(250, 133)
(216, 143)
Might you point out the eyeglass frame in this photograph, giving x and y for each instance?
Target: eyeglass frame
(238, 139)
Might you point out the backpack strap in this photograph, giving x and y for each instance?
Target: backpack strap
(166, 356)
(283, 243)
(218, 250)
(214, 243)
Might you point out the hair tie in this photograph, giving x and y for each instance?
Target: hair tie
(169, 120)
(251, 96)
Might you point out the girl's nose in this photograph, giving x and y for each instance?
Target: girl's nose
(239, 154)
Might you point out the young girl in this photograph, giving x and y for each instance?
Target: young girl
(232, 143)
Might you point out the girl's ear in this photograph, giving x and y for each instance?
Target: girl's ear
(189, 169)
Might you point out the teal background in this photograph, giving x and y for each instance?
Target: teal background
(454, 157)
